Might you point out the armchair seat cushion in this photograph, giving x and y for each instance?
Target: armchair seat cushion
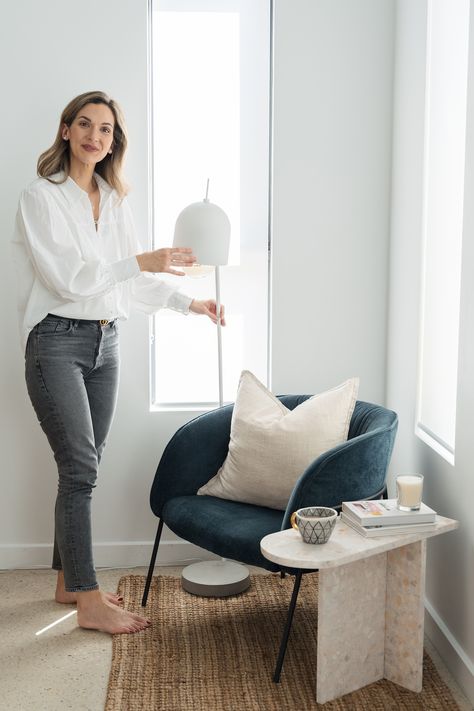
(228, 528)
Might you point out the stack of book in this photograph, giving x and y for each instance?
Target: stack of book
(382, 518)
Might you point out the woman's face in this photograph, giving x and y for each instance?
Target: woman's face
(91, 133)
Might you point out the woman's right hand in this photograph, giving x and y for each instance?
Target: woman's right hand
(164, 260)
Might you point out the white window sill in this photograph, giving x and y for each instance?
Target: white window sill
(184, 407)
(438, 446)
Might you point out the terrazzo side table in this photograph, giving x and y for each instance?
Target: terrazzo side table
(370, 604)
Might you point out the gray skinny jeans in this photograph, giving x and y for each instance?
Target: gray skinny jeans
(72, 373)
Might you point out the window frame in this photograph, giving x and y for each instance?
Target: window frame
(430, 250)
(207, 405)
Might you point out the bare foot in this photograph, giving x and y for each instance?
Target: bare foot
(93, 613)
(69, 598)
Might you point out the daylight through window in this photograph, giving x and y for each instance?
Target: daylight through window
(211, 119)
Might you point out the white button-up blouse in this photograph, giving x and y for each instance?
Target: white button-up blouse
(67, 267)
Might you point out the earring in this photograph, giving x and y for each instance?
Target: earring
(110, 151)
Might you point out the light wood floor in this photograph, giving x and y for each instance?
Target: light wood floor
(67, 667)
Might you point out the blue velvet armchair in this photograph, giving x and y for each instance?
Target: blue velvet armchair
(355, 469)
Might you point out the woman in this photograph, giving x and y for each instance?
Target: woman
(80, 269)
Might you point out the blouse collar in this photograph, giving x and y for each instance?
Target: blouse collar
(74, 193)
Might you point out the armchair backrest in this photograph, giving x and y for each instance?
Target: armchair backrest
(352, 470)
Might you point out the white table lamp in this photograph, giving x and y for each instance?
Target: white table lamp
(205, 228)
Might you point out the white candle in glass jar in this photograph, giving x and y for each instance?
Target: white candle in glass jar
(409, 492)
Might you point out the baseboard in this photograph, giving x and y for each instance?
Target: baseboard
(116, 554)
(453, 655)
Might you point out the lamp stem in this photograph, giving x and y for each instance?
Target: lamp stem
(219, 335)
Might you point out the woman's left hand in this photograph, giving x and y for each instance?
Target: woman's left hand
(208, 308)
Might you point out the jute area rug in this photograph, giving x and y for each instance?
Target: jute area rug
(218, 654)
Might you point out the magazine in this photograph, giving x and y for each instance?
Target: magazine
(374, 531)
(384, 512)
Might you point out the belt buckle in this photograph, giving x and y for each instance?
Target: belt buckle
(103, 322)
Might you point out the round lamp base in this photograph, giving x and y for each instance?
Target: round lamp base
(215, 578)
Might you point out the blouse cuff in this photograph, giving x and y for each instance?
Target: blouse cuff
(179, 302)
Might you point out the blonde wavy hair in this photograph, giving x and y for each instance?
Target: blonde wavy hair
(57, 158)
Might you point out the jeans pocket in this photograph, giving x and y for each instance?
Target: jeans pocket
(54, 325)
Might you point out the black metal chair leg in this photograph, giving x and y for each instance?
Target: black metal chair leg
(152, 563)
(286, 632)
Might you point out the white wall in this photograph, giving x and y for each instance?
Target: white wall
(332, 163)
(450, 490)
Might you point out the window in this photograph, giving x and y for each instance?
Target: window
(445, 135)
(211, 119)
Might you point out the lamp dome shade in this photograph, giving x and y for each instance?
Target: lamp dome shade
(205, 228)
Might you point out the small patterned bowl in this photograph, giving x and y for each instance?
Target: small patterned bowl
(315, 523)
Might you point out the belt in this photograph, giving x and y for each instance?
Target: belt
(103, 322)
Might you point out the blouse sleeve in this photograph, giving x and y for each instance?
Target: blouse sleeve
(58, 260)
(149, 293)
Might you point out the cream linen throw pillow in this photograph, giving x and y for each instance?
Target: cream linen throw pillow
(271, 446)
